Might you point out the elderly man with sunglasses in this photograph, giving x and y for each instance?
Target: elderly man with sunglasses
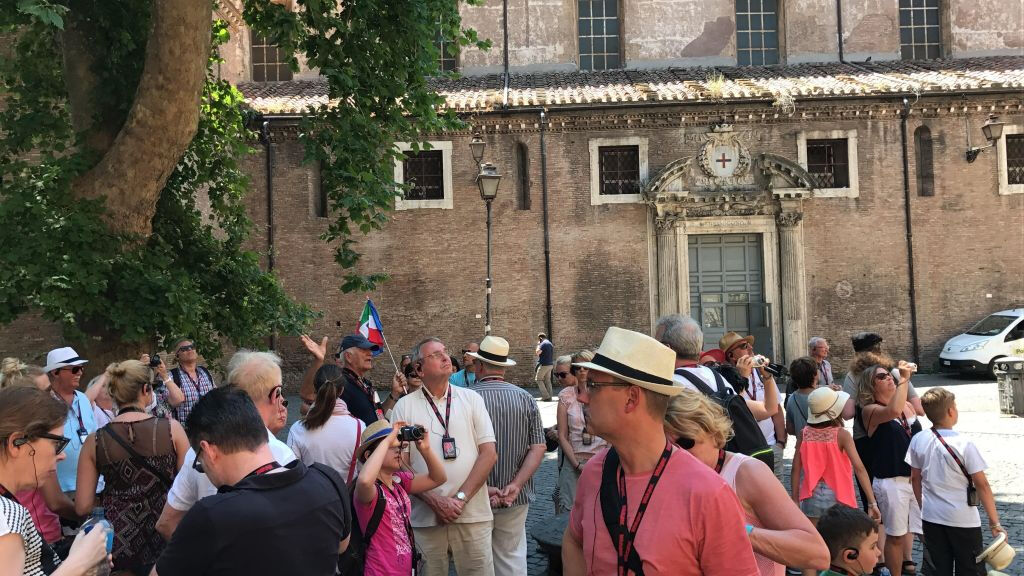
(258, 374)
(193, 380)
(64, 369)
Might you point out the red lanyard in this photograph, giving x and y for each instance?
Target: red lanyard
(624, 540)
(905, 424)
(753, 386)
(264, 469)
(721, 461)
(956, 458)
(447, 408)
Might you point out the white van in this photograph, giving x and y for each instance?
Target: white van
(998, 335)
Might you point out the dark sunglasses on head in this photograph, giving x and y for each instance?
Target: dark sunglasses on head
(73, 369)
(187, 347)
(561, 374)
(61, 441)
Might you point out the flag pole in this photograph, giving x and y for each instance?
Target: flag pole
(386, 345)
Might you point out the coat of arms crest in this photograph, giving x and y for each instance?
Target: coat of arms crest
(723, 155)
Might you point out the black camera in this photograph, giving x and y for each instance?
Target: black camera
(777, 370)
(411, 433)
(154, 360)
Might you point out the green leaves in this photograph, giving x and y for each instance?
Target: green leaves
(45, 12)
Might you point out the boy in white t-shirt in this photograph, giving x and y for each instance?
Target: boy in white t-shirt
(948, 476)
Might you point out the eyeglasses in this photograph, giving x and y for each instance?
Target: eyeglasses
(440, 354)
(187, 347)
(60, 441)
(882, 376)
(561, 374)
(197, 464)
(278, 392)
(72, 369)
(595, 385)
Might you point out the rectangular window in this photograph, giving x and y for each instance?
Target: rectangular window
(919, 30)
(828, 162)
(598, 31)
(523, 180)
(1015, 158)
(619, 170)
(757, 32)
(269, 63)
(320, 204)
(447, 51)
(424, 172)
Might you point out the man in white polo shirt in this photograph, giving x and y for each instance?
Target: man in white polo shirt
(259, 375)
(456, 515)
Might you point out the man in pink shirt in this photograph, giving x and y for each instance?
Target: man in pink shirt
(669, 513)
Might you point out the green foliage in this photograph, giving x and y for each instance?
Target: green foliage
(192, 277)
(44, 12)
(377, 58)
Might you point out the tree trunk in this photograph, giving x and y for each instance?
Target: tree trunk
(161, 122)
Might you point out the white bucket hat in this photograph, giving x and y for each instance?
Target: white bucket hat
(636, 358)
(61, 357)
(493, 350)
(825, 404)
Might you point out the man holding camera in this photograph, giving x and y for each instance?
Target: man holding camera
(761, 386)
(193, 380)
(520, 445)
(455, 515)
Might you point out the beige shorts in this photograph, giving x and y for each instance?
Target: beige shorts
(896, 502)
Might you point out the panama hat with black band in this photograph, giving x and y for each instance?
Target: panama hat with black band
(493, 350)
(637, 359)
(62, 358)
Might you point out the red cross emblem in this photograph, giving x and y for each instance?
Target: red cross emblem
(723, 160)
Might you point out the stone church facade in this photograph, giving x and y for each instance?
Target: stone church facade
(670, 171)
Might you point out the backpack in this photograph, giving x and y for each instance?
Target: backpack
(352, 561)
(747, 437)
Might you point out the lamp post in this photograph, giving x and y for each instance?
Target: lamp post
(992, 129)
(487, 180)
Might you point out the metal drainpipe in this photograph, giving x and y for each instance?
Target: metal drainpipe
(547, 241)
(265, 137)
(839, 27)
(910, 231)
(504, 25)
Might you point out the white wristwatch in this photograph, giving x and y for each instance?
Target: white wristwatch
(460, 495)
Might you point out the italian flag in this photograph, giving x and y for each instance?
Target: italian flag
(369, 325)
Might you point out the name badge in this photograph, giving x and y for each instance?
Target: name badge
(448, 450)
(82, 435)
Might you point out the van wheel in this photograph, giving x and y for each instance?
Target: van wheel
(991, 372)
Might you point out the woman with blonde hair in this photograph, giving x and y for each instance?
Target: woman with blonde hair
(577, 443)
(779, 534)
(138, 455)
(14, 372)
(31, 443)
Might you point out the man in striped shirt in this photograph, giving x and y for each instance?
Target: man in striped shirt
(520, 446)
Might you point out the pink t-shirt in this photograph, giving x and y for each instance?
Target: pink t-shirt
(390, 552)
(693, 525)
(46, 521)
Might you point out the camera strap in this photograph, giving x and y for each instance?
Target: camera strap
(959, 462)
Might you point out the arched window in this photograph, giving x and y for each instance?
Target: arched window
(923, 154)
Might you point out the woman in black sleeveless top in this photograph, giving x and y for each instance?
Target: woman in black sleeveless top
(890, 423)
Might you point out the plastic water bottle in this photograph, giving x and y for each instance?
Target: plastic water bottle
(98, 518)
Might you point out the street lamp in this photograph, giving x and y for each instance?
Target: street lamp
(477, 146)
(992, 129)
(487, 180)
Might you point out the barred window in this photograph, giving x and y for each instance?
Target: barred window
(269, 63)
(1015, 158)
(448, 52)
(619, 169)
(828, 162)
(919, 30)
(424, 172)
(757, 32)
(598, 28)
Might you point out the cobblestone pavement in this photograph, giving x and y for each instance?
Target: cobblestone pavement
(999, 438)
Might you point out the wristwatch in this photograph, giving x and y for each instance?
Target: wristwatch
(460, 495)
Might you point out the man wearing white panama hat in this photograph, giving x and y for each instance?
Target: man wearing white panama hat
(64, 368)
(520, 446)
(670, 513)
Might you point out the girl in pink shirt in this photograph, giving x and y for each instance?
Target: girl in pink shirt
(391, 549)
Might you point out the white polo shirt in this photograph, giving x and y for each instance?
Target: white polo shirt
(190, 486)
(943, 484)
(470, 426)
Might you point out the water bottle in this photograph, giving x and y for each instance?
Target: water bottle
(99, 519)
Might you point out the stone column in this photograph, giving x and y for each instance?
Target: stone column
(668, 271)
(794, 287)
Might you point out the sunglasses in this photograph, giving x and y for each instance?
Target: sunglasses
(60, 441)
(561, 374)
(197, 465)
(187, 347)
(882, 376)
(73, 369)
(685, 443)
(278, 392)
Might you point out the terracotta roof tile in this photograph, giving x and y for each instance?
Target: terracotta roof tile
(700, 84)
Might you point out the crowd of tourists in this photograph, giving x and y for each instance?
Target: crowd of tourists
(670, 461)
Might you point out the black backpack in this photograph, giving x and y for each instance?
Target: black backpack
(747, 437)
(352, 561)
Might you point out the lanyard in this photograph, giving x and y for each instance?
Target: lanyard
(721, 461)
(955, 457)
(71, 407)
(824, 375)
(367, 389)
(5, 493)
(905, 424)
(624, 540)
(447, 409)
(263, 469)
